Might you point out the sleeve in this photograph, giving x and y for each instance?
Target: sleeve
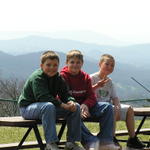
(64, 92)
(90, 100)
(41, 92)
(93, 79)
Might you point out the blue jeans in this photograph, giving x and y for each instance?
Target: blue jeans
(104, 112)
(47, 113)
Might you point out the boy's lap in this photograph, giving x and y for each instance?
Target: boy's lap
(99, 109)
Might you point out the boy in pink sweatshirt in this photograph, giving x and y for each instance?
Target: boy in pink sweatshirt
(80, 88)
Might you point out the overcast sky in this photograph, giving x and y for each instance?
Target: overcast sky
(121, 19)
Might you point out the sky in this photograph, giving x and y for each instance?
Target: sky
(122, 19)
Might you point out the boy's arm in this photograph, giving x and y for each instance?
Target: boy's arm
(90, 100)
(64, 92)
(114, 97)
(41, 92)
(68, 102)
(117, 107)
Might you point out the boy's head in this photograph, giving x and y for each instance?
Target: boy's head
(74, 61)
(107, 63)
(50, 63)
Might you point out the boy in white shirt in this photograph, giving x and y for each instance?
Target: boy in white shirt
(105, 91)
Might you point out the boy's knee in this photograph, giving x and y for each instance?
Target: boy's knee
(78, 107)
(49, 106)
(110, 107)
(130, 109)
(107, 105)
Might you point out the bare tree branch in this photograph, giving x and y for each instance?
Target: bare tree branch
(9, 89)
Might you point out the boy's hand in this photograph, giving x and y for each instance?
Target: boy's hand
(84, 111)
(72, 106)
(69, 106)
(102, 82)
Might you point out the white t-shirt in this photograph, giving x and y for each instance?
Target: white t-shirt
(106, 93)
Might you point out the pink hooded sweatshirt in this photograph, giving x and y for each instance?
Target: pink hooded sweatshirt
(80, 87)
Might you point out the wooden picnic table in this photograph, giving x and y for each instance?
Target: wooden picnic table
(145, 113)
(32, 124)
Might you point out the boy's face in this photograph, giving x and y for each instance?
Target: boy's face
(50, 67)
(74, 65)
(107, 66)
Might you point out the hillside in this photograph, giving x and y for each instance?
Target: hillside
(20, 57)
(137, 55)
(21, 66)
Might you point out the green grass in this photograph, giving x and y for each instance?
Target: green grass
(12, 134)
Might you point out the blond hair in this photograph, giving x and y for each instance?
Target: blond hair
(49, 55)
(74, 54)
(106, 57)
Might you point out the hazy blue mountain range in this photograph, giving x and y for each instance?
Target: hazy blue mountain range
(87, 36)
(21, 66)
(20, 57)
(137, 55)
(37, 43)
(78, 35)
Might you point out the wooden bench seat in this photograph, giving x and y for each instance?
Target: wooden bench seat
(18, 121)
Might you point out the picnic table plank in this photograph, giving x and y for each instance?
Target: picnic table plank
(142, 111)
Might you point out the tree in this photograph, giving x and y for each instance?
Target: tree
(10, 89)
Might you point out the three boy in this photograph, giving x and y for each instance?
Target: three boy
(39, 101)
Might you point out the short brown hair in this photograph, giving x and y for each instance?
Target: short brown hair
(49, 55)
(105, 57)
(74, 54)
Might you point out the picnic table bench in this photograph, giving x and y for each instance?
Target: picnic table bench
(143, 112)
(18, 121)
(33, 125)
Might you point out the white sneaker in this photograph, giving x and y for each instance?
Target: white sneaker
(51, 146)
(72, 146)
(109, 147)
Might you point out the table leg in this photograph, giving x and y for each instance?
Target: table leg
(61, 131)
(38, 137)
(24, 137)
(140, 125)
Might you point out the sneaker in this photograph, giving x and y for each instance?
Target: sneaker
(72, 146)
(51, 146)
(109, 147)
(135, 143)
(92, 146)
(116, 142)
